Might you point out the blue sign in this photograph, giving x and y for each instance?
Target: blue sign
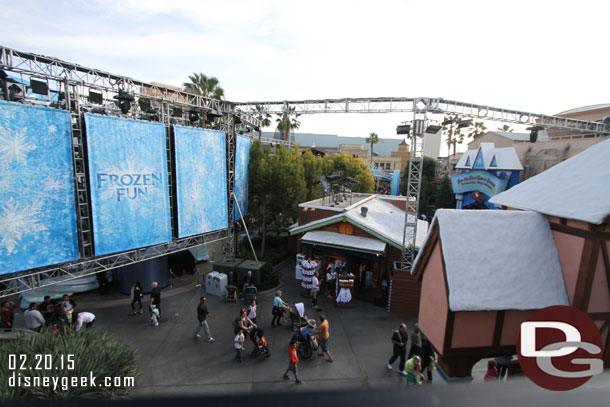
(129, 183)
(481, 181)
(242, 159)
(201, 180)
(37, 204)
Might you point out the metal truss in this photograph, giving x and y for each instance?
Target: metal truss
(433, 106)
(56, 72)
(33, 279)
(416, 169)
(229, 249)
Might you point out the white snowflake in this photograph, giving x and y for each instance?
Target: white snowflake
(6, 183)
(14, 147)
(52, 129)
(53, 184)
(16, 221)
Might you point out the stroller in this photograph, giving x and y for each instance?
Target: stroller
(261, 347)
(231, 294)
(250, 294)
(296, 317)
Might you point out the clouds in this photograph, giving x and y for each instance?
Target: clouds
(523, 55)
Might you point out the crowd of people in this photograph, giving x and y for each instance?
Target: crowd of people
(61, 315)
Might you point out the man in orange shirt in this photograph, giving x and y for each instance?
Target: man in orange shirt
(293, 362)
(323, 335)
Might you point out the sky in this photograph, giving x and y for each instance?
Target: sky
(537, 56)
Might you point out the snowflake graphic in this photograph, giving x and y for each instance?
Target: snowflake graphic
(53, 184)
(14, 147)
(16, 221)
(52, 129)
(6, 183)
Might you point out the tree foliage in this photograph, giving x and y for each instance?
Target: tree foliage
(506, 128)
(201, 84)
(348, 166)
(477, 130)
(373, 138)
(287, 122)
(276, 187)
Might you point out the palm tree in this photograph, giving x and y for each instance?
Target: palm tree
(477, 130)
(454, 134)
(262, 115)
(201, 84)
(373, 138)
(287, 121)
(506, 128)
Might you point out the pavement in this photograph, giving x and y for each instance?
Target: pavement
(173, 364)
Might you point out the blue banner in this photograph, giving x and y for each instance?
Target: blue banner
(37, 205)
(242, 159)
(481, 181)
(201, 180)
(129, 183)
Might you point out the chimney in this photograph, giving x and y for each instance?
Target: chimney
(363, 211)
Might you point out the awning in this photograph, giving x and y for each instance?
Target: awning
(341, 241)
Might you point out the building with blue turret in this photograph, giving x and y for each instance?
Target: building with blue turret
(483, 173)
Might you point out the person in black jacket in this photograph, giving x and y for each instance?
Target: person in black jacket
(202, 315)
(399, 339)
(155, 298)
(427, 356)
(136, 296)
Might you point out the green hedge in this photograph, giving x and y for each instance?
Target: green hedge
(95, 353)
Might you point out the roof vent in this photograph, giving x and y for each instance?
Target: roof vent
(363, 211)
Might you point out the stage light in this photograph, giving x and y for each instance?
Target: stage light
(433, 129)
(464, 123)
(39, 87)
(534, 132)
(124, 101)
(145, 105)
(95, 97)
(16, 92)
(237, 120)
(177, 111)
(211, 116)
(193, 115)
(403, 129)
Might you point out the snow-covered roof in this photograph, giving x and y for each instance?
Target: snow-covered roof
(487, 157)
(499, 260)
(341, 240)
(383, 220)
(578, 188)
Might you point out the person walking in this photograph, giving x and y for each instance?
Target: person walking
(315, 289)
(323, 334)
(399, 340)
(416, 343)
(252, 312)
(202, 315)
(155, 298)
(33, 318)
(46, 308)
(427, 357)
(136, 296)
(239, 344)
(277, 311)
(293, 361)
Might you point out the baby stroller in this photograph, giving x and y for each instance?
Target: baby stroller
(296, 317)
(261, 347)
(231, 294)
(306, 339)
(250, 294)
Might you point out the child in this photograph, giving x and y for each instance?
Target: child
(252, 312)
(263, 348)
(492, 371)
(293, 361)
(154, 318)
(239, 344)
(413, 369)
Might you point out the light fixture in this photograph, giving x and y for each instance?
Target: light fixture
(124, 101)
(403, 129)
(193, 115)
(177, 111)
(433, 129)
(534, 132)
(464, 123)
